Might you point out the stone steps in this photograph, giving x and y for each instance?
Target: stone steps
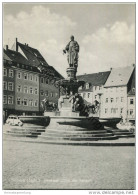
(75, 132)
(53, 134)
(46, 137)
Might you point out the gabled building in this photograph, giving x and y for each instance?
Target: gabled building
(33, 78)
(115, 92)
(48, 75)
(93, 88)
(26, 84)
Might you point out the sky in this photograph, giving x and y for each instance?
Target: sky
(104, 31)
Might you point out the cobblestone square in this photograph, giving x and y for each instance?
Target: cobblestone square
(44, 166)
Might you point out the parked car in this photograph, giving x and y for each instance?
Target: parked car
(126, 126)
(14, 120)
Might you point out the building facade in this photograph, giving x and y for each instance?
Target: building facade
(93, 88)
(27, 81)
(26, 92)
(8, 87)
(115, 98)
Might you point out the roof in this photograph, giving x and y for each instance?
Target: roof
(95, 79)
(132, 87)
(16, 56)
(119, 76)
(5, 57)
(33, 55)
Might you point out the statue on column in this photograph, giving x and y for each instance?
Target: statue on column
(72, 50)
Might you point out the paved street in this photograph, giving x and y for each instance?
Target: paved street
(44, 166)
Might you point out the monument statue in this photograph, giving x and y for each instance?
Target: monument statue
(72, 50)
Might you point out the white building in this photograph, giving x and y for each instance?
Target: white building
(94, 86)
(131, 101)
(115, 98)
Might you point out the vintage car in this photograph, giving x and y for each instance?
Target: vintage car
(126, 126)
(14, 120)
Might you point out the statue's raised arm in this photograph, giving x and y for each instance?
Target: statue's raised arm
(72, 50)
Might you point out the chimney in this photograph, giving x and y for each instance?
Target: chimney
(6, 47)
(111, 69)
(133, 65)
(16, 42)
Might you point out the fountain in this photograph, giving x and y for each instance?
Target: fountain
(71, 114)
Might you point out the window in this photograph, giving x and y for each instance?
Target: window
(42, 92)
(36, 78)
(95, 96)
(10, 86)
(56, 94)
(5, 72)
(131, 101)
(25, 76)
(36, 91)
(95, 88)
(46, 93)
(100, 87)
(42, 80)
(112, 99)
(10, 99)
(112, 110)
(31, 77)
(5, 85)
(31, 90)
(19, 75)
(117, 98)
(25, 89)
(106, 110)
(47, 81)
(31, 102)
(19, 89)
(122, 99)
(131, 111)
(36, 103)
(80, 88)
(18, 101)
(87, 85)
(10, 73)
(84, 95)
(133, 89)
(25, 102)
(106, 100)
(51, 94)
(121, 110)
(88, 95)
(4, 99)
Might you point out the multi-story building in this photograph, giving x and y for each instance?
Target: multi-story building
(26, 84)
(115, 93)
(48, 75)
(93, 88)
(33, 78)
(8, 86)
(131, 101)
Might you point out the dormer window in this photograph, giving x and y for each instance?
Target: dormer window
(133, 89)
(87, 86)
(80, 88)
